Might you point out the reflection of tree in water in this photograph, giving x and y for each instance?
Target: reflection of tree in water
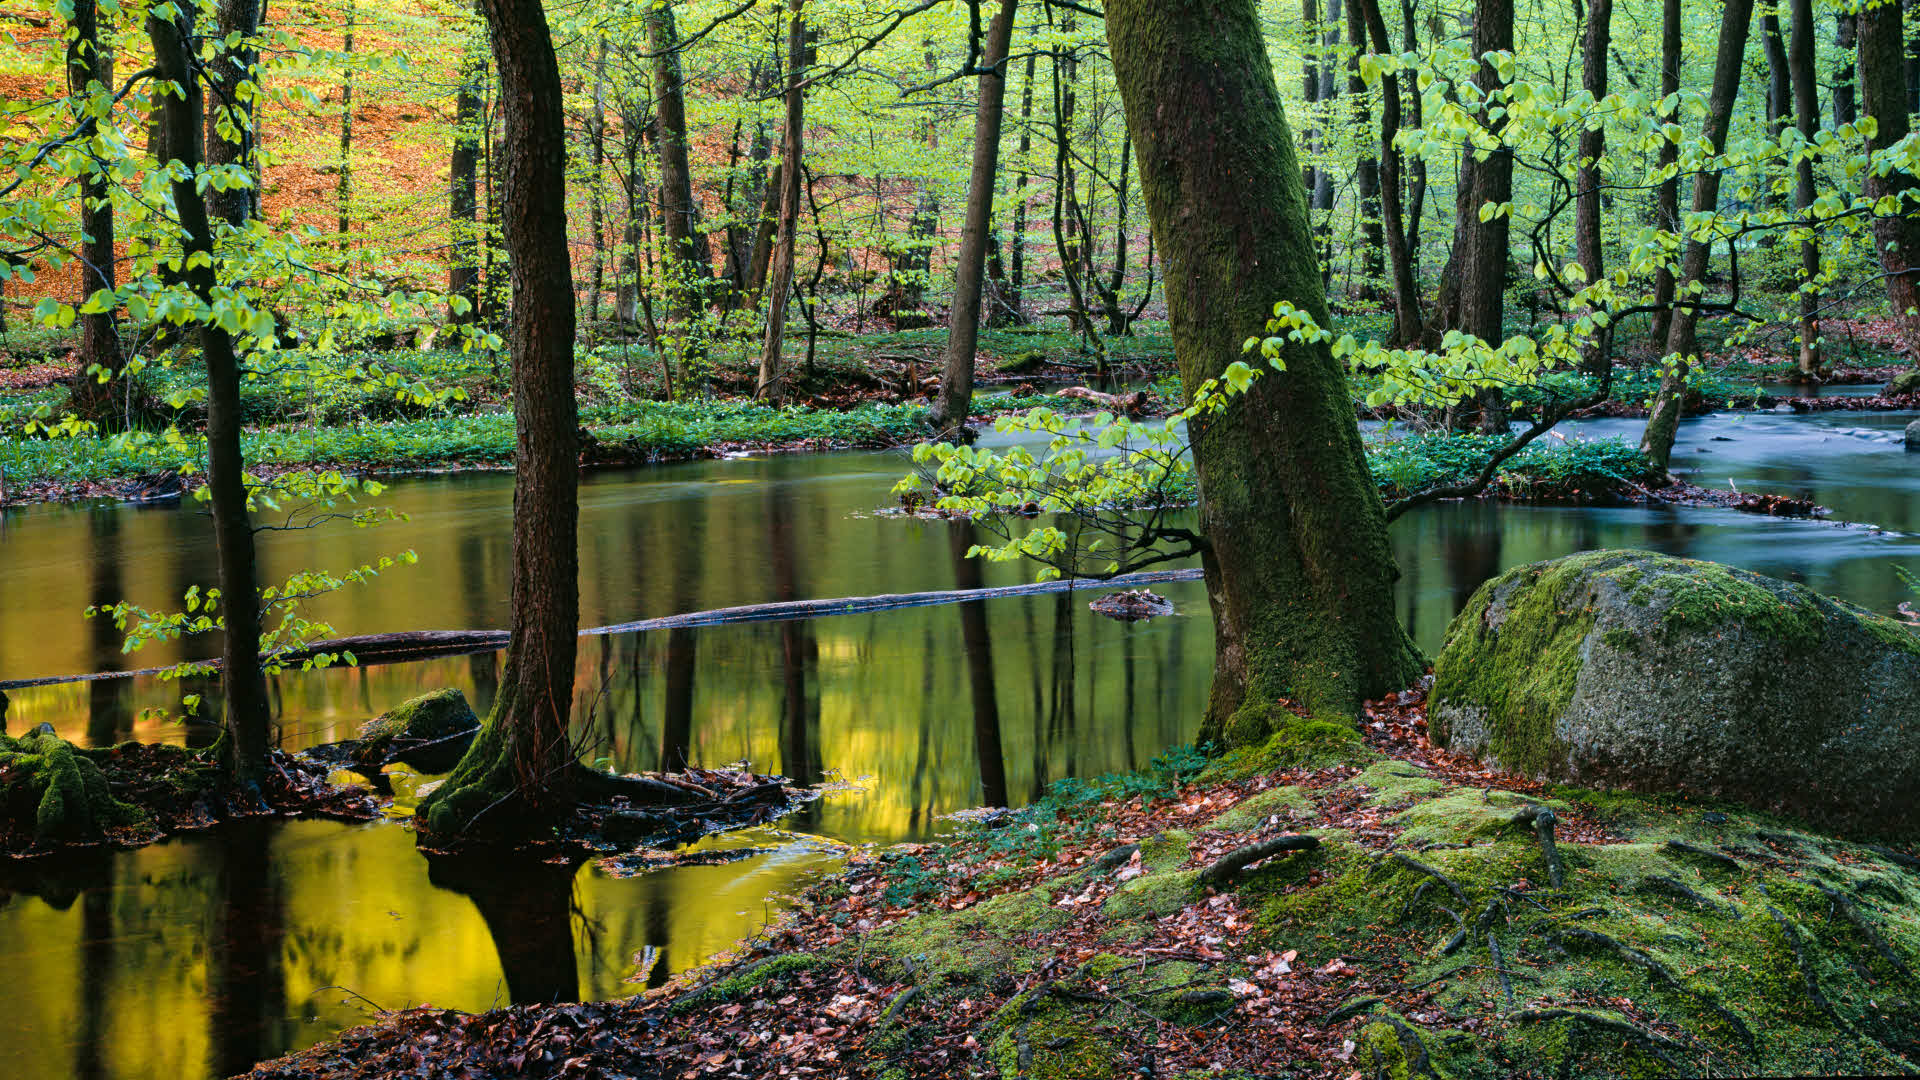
(246, 981)
(977, 642)
(919, 792)
(528, 909)
(109, 716)
(799, 657)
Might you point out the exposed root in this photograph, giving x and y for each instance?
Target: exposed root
(1658, 972)
(1905, 861)
(1672, 886)
(1349, 1010)
(1718, 858)
(1414, 1048)
(1542, 820)
(1651, 1041)
(1416, 865)
(1458, 939)
(1223, 869)
(1792, 934)
(1500, 968)
(1852, 913)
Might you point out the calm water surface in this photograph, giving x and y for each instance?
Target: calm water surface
(198, 956)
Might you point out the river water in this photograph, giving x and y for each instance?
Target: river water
(198, 956)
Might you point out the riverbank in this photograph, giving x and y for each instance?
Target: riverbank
(1337, 901)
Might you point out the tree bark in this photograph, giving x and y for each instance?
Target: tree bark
(951, 406)
(463, 195)
(1883, 96)
(523, 755)
(1736, 19)
(1299, 572)
(1593, 146)
(1483, 277)
(1666, 199)
(1017, 276)
(771, 383)
(596, 198)
(1846, 99)
(100, 390)
(688, 258)
(1409, 326)
(343, 188)
(1806, 115)
(243, 684)
(1367, 172)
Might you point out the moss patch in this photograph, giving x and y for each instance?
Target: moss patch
(56, 794)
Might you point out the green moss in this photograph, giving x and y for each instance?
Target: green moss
(1287, 742)
(1390, 783)
(773, 971)
(1253, 811)
(429, 732)
(1056, 1045)
(973, 946)
(1154, 895)
(1706, 596)
(61, 791)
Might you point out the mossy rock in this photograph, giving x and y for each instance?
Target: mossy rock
(55, 793)
(429, 732)
(1252, 812)
(1638, 671)
(1907, 382)
(1912, 439)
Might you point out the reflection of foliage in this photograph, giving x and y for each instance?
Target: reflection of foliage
(1557, 469)
(1906, 609)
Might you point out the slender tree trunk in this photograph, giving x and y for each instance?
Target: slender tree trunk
(1483, 285)
(1408, 325)
(770, 385)
(1417, 173)
(596, 165)
(1367, 172)
(1806, 114)
(463, 197)
(687, 259)
(1883, 97)
(523, 756)
(976, 641)
(1310, 93)
(1664, 419)
(1593, 146)
(343, 190)
(1299, 571)
(1666, 199)
(1017, 277)
(243, 685)
(1846, 107)
(1329, 102)
(100, 392)
(951, 406)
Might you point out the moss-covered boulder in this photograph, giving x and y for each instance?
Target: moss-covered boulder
(1907, 382)
(1913, 443)
(54, 794)
(1628, 669)
(429, 733)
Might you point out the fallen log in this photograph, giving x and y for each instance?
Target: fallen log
(427, 644)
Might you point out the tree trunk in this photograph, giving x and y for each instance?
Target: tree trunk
(596, 199)
(1483, 272)
(1664, 419)
(523, 755)
(1299, 571)
(343, 189)
(688, 260)
(1017, 277)
(1806, 114)
(1666, 199)
(951, 406)
(1329, 100)
(1408, 324)
(1846, 107)
(1593, 145)
(100, 390)
(463, 196)
(1883, 97)
(771, 384)
(1367, 172)
(243, 684)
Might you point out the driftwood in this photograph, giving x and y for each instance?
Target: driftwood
(427, 644)
(1132, 404)
(1223, 869)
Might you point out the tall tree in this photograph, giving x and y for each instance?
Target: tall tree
(1593, 146)
(1846, 42)
(951, 407)
(688, 258)
(1485, 225)
(343, 186)
(243, 682)
(523, 758)
(771, 384)
(1663, 421)
(1367, 171)
(1409, 327)
(463, 201)
(99, 386)
(1299, 571)
(1883, 98)
(1806, 117)
(1666, 197)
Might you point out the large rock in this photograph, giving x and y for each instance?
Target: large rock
(1629, 669)
(429, 732)
(1913, 443)
(1907, 382)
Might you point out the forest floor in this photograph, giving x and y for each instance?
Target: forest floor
(1340, 903)
(385, 410)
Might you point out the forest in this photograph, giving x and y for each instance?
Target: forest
(960, 538)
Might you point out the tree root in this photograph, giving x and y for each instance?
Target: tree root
(1717, 857)
(898, 1005)
(1673, 886)
(1847, 908)
(1651, 1041)
(1458, 939)
(1806, 971)
(1413, 1047)
(1223, 869)
(1542, 820)
(1115, 859)
(1500, 968)
(1407, 912)
(1417, 866)
(1658, 972)
(1349, 1009)
(1906, 861)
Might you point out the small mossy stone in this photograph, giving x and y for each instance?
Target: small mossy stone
(1907, 382)
(429, 732)
(61, 790)
(1912, 437)
(1639, 671)
(1253, 811)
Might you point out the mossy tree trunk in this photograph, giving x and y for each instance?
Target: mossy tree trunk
(520, 771)
(1299, 572)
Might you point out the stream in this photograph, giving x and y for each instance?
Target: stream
(200, 955)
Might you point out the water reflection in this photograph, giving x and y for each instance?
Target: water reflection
(528, 908)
